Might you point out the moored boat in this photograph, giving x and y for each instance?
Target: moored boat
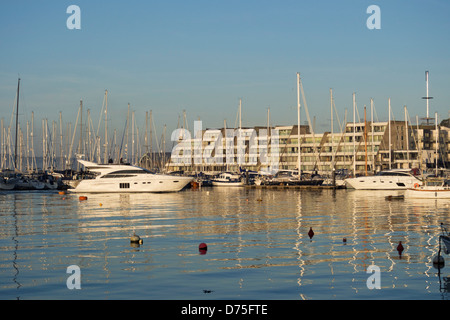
(290, 177)
(228, 179)
(7, 184)
(433, 188)
(396, 179)
(127, 178)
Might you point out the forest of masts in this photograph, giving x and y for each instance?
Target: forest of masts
(63, 143)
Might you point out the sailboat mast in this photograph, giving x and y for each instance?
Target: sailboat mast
(407, 138)
(389, 124)
(354, 135)
(437, 141)
(427, 97)
(240, 113)
(298, 126)
(106, 127)
(17, 124)
(80, 146)
(372, 130)
(332, 130)
(151, 140)
(365, 139)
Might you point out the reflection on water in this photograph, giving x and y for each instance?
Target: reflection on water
(258, 245)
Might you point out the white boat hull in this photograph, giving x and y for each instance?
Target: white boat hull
(227, 179)
(227, 184)
(382, 183)
(428, 193)
(158, 183)
(120, 178)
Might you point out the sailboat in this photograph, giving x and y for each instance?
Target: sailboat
(296, 177)
(9, 183)
(392, 179)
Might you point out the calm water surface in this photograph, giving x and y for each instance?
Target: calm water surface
(258, 245)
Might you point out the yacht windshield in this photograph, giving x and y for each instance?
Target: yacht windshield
(126, 173)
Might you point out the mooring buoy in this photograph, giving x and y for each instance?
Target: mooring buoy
(310, 233)
(202, 248)
(438, 261)
(136, 239)
(400, 248)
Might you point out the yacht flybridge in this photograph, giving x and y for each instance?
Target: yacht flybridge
(127, 178)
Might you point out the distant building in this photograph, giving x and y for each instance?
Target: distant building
(361, 147)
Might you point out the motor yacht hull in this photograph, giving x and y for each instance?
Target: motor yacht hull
(382, 182)
(428, 193)
(158, 183)
(227, 184)
(123, 178)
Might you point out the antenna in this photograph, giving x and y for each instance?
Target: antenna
(427, 97)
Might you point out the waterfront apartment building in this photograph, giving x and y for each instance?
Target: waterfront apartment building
(362, 147)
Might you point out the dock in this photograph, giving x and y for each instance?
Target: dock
(315, 187)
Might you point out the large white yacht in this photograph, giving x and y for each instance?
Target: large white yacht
(127, 178)
(396, 179)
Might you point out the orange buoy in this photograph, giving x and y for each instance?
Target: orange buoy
(61, 192)
(81, 198)
(310, 233)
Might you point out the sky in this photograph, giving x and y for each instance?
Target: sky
(202, 57)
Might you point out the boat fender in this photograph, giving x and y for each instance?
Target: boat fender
(81, 198)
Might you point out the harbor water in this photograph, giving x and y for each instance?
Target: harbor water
(257, 240)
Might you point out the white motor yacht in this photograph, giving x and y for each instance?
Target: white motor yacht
(396, 179)
(127, 178)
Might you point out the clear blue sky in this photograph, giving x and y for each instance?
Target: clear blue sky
(202, 56)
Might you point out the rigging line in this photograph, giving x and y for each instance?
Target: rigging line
(99, 122)
(123, 137)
